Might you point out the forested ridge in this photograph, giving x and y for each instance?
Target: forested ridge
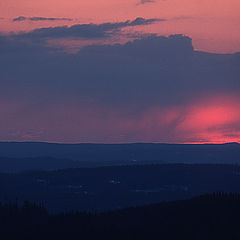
(212, 216)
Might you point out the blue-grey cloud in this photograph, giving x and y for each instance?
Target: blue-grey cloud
(22, 18)
(86, 31)
(148, 71)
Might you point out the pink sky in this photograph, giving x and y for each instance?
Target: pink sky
(212, 120)
(213, 24)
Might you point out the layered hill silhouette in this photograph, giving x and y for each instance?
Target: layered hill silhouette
(49, 156)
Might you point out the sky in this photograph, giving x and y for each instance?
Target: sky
(212, 24)
(120, 71)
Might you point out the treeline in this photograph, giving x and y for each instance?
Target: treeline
(212, 216)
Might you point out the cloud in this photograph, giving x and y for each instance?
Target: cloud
(85, 31)
(142, 21)
(155, 88)
(145, 1)
(179, 18)
(22, 18)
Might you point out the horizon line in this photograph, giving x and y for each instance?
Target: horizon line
(126, 143)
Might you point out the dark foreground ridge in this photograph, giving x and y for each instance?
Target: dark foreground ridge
(214, 216)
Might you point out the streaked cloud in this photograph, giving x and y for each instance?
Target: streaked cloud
(86, 31)
(145, 1)
(22, 18)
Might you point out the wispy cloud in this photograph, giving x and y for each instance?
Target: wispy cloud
(86, 31)
(145, 1)
(181, 18)
(22, 18)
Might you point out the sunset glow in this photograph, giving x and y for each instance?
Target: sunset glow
(215, 122)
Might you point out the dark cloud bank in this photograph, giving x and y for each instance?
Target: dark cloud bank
(150, 70)
(153, 71)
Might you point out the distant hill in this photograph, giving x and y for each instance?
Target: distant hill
(47, 156)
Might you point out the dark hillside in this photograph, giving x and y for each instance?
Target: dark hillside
(210, 217)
